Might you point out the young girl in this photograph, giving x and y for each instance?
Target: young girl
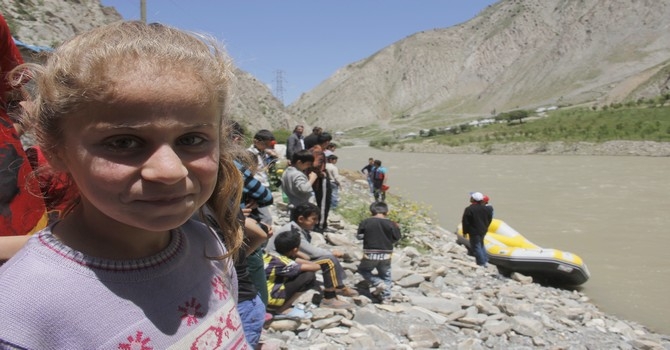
(133, 114)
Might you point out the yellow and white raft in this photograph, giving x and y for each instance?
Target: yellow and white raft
(512, 252)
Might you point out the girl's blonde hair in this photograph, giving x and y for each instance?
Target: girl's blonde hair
(85, 69)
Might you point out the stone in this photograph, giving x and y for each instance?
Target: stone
(411, 281)
(436, 304)
(284, 325)
(497, 327)
(423, 335)
(526, 326)
(521, 278)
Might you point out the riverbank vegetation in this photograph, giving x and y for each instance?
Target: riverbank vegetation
(409, 215)
(638, 121)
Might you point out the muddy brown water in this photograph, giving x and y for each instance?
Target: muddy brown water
(611, 211)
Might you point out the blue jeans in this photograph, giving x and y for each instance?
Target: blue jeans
(380, 196)
(372, 186)
(383, 273)
(334, 195)
(252, 313)
(478, 249)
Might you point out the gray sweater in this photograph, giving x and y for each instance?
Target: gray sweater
(305, 245)
(296, 186)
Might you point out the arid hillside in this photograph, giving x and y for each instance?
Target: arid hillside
(514, 54)
(50, 22)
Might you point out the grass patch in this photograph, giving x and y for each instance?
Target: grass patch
(631, 123)
(407, 214)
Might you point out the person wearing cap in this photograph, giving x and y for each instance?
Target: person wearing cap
(476, 220)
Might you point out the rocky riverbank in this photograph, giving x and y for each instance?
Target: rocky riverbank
(441, 299)
(610, 148)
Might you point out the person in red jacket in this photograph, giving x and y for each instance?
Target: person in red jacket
(21, 206)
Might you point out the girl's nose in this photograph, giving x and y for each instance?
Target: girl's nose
(165, 166)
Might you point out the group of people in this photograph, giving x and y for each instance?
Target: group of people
(312, 172)
(377, 177)
(165, 237)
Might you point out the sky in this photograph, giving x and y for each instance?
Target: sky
(301, 43)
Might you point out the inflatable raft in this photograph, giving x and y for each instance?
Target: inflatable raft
(512, 252)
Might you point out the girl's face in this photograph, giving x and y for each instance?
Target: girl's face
(147, 157)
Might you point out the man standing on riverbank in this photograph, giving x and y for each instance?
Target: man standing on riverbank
(379, 178)
(476, 220)
(367, 171)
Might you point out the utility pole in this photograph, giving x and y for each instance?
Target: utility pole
(143, 10)
(279, 85)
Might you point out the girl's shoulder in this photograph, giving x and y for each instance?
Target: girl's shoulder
(199, 233)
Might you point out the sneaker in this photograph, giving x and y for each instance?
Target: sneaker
(379, 288)
(335, 303)
(347, 292)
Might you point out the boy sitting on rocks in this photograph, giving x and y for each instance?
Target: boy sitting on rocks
(303, 219)
(287, 275)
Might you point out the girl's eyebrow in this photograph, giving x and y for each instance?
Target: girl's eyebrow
(143, 125)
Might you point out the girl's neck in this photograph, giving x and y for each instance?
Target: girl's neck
(109, 240)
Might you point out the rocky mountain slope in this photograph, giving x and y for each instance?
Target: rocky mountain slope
(515, 54)
(50, 22)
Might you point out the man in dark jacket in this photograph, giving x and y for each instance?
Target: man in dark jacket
(312, 139)
(476, 220)
(295, 142)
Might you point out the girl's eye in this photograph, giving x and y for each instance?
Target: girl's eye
(122, 143)
(191, 140)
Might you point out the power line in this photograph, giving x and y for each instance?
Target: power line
(279, 85)
(143, 10)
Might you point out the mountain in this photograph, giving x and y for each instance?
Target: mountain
(50, 22)
(514, 54)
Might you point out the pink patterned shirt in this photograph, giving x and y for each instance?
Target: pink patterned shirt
(53, 297)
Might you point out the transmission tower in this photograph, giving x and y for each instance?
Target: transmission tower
(279, 85)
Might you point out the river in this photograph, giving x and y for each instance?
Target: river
(611, 211)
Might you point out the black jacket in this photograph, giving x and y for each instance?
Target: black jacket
(476, 219)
